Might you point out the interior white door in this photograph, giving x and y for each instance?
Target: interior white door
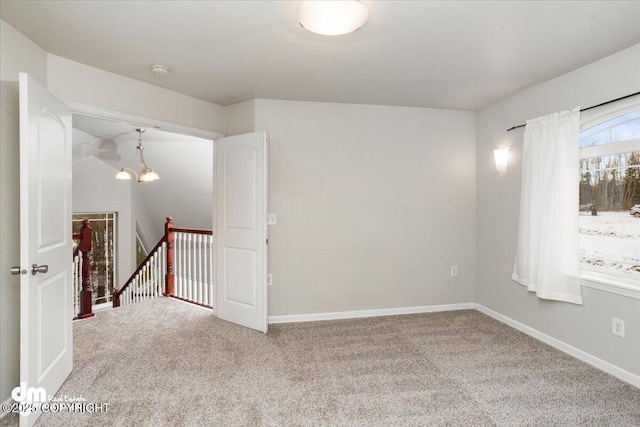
(46, 313)
(241, 229)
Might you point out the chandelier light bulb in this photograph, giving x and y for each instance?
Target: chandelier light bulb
(123, 175)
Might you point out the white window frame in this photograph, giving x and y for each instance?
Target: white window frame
(591, 279)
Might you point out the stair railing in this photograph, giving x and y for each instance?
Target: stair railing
(194, 266)
(182, 253)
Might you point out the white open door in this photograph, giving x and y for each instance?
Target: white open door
(241, 230)
(46, 341)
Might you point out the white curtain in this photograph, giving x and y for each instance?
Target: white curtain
(547, 257)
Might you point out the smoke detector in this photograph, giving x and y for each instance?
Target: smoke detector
(159, 70)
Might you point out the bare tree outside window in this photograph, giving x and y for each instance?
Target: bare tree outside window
(609, 189)
(103, 258)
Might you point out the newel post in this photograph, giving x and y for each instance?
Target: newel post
(169, 237)
(85, 293)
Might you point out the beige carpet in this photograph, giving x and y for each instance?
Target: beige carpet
(166, 363)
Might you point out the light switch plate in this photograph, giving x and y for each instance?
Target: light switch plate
(272, 219)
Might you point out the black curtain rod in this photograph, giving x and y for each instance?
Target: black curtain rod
(589, 108)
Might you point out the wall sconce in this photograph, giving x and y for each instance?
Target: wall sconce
(502, 159)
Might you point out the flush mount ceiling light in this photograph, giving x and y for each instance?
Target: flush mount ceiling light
(146, 173)
(333, 18)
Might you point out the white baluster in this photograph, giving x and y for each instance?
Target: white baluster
(156, 272)
(76, 300)
(136, 296)
(194, 271)
(205, 276)
(143, 283)
(188, 269)
(176, 262)
(210, 269)
(150, 281)
(183, 265)
(159, 269)
(146, 282)
(205, 272)
(177, 254)
(194, 255)
(163, 265)
(200, 285)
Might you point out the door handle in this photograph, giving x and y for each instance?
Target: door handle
(39, 269)
(15, 270)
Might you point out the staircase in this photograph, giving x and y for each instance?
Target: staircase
(179, 266)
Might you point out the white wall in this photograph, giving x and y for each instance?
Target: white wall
(149, 232)
(18, 54)
(374, 204)
(95, 190)
(587, 327)
(241, 118)
(73, 81)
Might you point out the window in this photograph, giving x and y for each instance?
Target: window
(609, 190)
(103, 258)
(141, 251)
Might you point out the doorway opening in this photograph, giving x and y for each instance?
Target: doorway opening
(137, 211)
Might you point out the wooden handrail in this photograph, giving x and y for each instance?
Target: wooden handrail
(192, 230)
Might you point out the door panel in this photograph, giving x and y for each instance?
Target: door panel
(240, 175)
(240, 282)
(46, 341)
(241, 230)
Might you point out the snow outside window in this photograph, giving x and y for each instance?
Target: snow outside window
(609, 212)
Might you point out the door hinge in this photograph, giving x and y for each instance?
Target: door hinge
(267, 241)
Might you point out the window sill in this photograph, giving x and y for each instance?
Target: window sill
(613, 284)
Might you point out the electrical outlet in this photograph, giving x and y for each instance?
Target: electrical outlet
(272, 219)
(617, 327)
(269, 279)
(454, 271)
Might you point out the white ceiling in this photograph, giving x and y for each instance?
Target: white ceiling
(442, 54)
(184, 163)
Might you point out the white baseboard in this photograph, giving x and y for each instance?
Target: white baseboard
(4, 413)
(607, 367)
(314, 317)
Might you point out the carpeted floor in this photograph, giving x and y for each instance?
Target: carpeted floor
(166, 363)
